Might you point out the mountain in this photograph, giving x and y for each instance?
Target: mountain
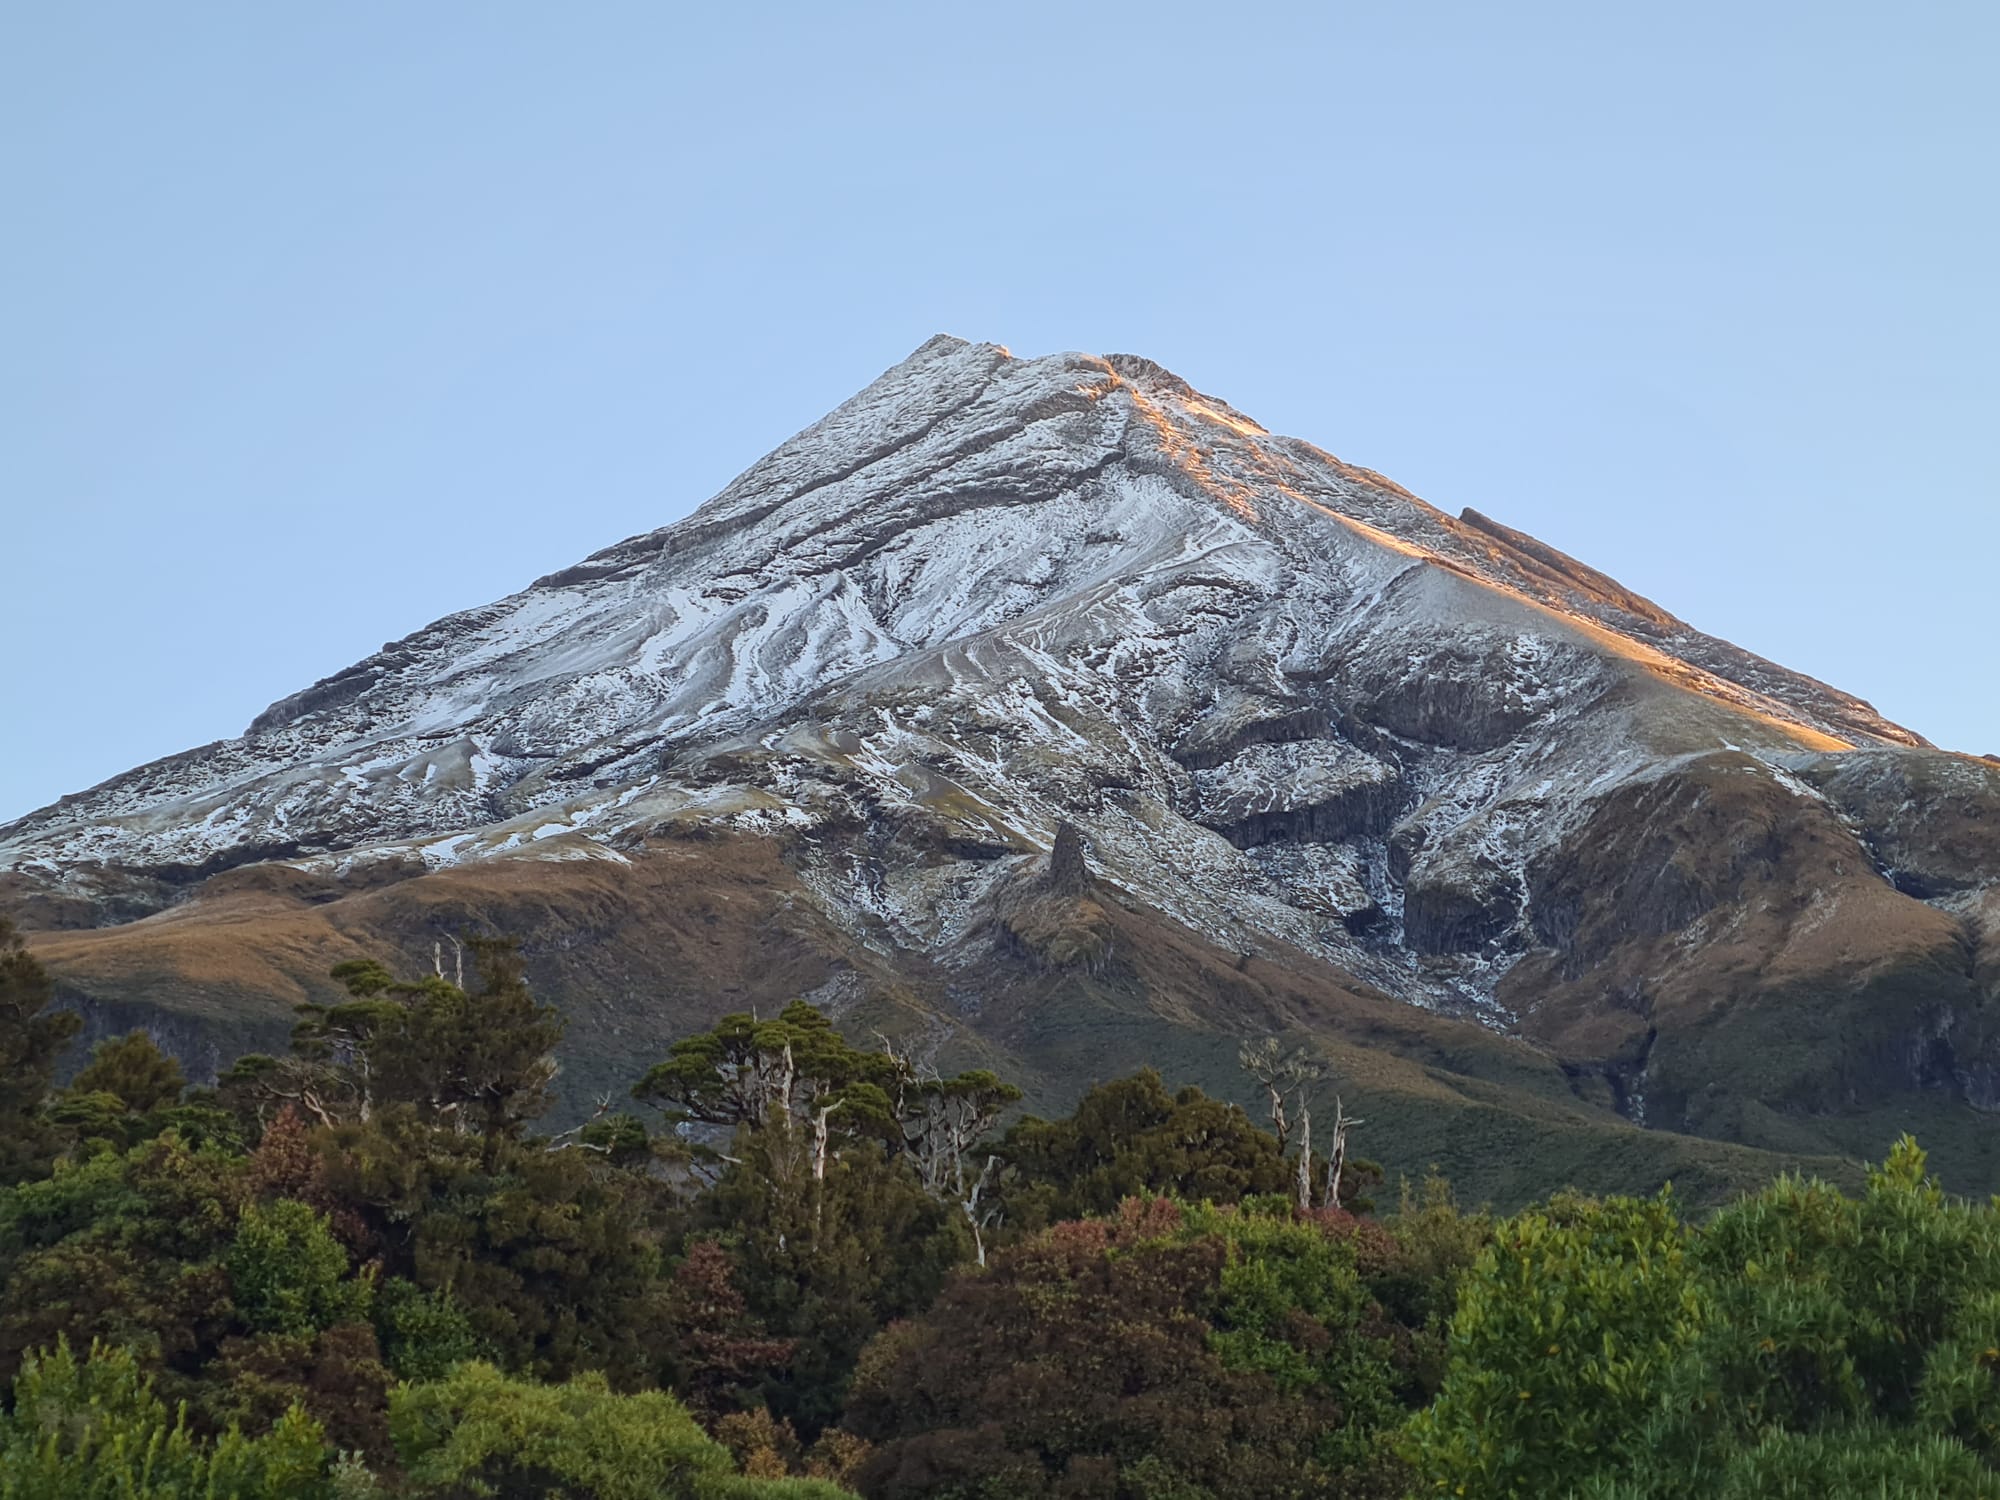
(1546, 868)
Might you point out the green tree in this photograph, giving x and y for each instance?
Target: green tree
(825, 1262)
(1564, 1332)
(855, 1180)
(1960, 1396)
(479, 1433)
(480, 1060)
(1169, 1351)
(93, 1429)
(1802, 1342)
(290, 1275)
(1870, 1462)
(1436, 1244)
(940, 1125)
(245, 1282)
(1891, 1271)
(426, 1334)
(1292, 1303)
(795, 1073)
(336, 1377)
(127, 1092)
(126, 1247)
(1131, 1138)
(1846, 1320)
(552, 1256)
(134, 1070)
(487, 1056)
(32, 1037)
(797, 1076)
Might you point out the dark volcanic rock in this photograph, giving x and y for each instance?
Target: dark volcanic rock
(1931, 821)
(1069, 874)
(1461, 909)
(1655, 856)
(1310, 791)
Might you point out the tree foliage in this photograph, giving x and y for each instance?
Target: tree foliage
(130, 1091)
(1171, 1350)
(289, 1275)
(360, 1270)
(551, 1257)
(825, 1262)
(798, 1077)
(1801, 1342)
(93, 1428)
(124, 1247)
(1562, 1336)
(1133, 1139)
(479, 1060)
(133, 1070)
(480, 1433)
(424, 1335)
(32, 1037)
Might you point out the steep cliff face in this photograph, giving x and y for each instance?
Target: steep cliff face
(1285, 705)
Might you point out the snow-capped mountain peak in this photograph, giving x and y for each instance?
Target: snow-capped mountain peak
(1284, 697)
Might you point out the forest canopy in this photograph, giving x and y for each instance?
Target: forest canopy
(804, 1264)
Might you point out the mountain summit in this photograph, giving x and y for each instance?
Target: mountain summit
(1300, 718)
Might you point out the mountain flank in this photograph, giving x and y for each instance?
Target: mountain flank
(1055, 714)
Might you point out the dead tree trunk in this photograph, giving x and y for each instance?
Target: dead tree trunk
(1305, 1157)
(822, 1131)
(1337, 1161)
(1280, 1126)
(970, 1203)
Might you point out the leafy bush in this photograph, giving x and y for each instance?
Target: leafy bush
(425, 1335)
(1170, 1351)
(93, 1429)
(480, 1433)
(290, 1275)
(1961, 1390)
(1563, 1332)
(1801, 1343)
(122, 1248)
(1131, 1138)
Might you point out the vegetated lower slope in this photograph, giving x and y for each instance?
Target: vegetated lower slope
(360, 1269)
(1318, 736)
(1065, 989)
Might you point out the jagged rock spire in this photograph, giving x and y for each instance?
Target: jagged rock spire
(1069, 872)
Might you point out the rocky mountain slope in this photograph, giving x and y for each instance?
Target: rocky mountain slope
(1309, 726)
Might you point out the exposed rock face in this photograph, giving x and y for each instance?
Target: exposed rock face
(1310, 791)
(1464, 906)
(1049, 919)
(1069, 874)
(1931, 821)
(1284, 703)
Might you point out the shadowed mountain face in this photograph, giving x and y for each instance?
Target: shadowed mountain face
(1308, 727)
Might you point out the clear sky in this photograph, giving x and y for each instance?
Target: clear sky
(323, 321)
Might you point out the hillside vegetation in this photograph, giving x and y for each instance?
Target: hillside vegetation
(793, 1263)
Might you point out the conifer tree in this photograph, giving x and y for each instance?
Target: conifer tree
(478, 1061)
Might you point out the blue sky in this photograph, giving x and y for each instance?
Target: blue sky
(321, 322)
